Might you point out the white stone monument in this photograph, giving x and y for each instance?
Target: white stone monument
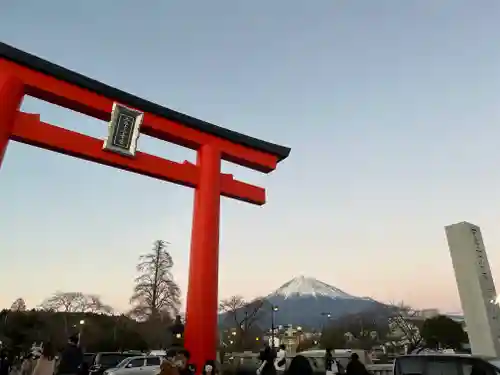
(476, 288)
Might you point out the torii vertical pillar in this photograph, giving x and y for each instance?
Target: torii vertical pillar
(202, 297)
(11, 97)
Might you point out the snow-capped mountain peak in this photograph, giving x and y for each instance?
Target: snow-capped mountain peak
(309, 287)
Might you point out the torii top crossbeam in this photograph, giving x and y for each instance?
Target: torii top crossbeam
(24, 74)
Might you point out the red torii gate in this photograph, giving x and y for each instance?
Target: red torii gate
(24, 74)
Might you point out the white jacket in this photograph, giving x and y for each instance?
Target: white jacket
(279, 357)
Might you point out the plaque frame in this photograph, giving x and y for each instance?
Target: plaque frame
(109, 143)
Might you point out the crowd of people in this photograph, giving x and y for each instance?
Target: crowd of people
(44, 361)
(274, 363)
(177, 362)
(70, 361)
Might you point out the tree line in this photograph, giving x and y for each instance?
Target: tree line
(155, 301)
(399, 329)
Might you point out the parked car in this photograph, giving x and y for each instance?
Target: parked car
(143, 365)
(105, 360)
(446, 364)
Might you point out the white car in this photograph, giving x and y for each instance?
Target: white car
(140, 365)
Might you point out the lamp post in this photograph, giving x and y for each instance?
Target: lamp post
(80, 332)
(327, 315)
(274, 309)
(299, 334)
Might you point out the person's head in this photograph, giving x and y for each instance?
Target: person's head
(48, 351)
(328, 350)
(354, 357)
(300, 366)
(171, 353)
(73, 340)
(282, 347)
(209, 368)
(267, 350)
(182, 358)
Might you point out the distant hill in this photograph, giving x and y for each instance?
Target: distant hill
(308, 302)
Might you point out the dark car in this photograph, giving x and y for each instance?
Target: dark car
(105, 360)
(448, 364)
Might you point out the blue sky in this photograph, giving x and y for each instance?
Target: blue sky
(391, 109)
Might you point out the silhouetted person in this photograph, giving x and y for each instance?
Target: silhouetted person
(267, 362)
(332, 367)
(355, 367)
(299, 366)
(71, 358)
(4, 363)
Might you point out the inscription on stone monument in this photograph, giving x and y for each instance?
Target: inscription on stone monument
(123, 130)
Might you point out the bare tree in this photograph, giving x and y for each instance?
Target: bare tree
(18, 305)
(404, 326)
(75, 302)
(94, 304)
(242, 314)
(156, 294)
(65, 302)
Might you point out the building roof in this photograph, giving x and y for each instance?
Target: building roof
(36, 63)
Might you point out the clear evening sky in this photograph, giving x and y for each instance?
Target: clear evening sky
(392, 110)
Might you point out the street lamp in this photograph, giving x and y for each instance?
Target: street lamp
(274, 309)
(328, 316)
(299, 334)
(80, 331)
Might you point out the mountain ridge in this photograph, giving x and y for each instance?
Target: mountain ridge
(302, 285)
(309, 302)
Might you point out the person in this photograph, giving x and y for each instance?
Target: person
(71, 358)
(45, 365)
(266, 362)
(27, 365)
(168, 367)
(182, 362)
(355, 367)
(299, 366)
(331, 365)
(4, 363)
(171, 354)
(280, 361)
(209, 368)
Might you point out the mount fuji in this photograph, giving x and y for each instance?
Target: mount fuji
(308, 302)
